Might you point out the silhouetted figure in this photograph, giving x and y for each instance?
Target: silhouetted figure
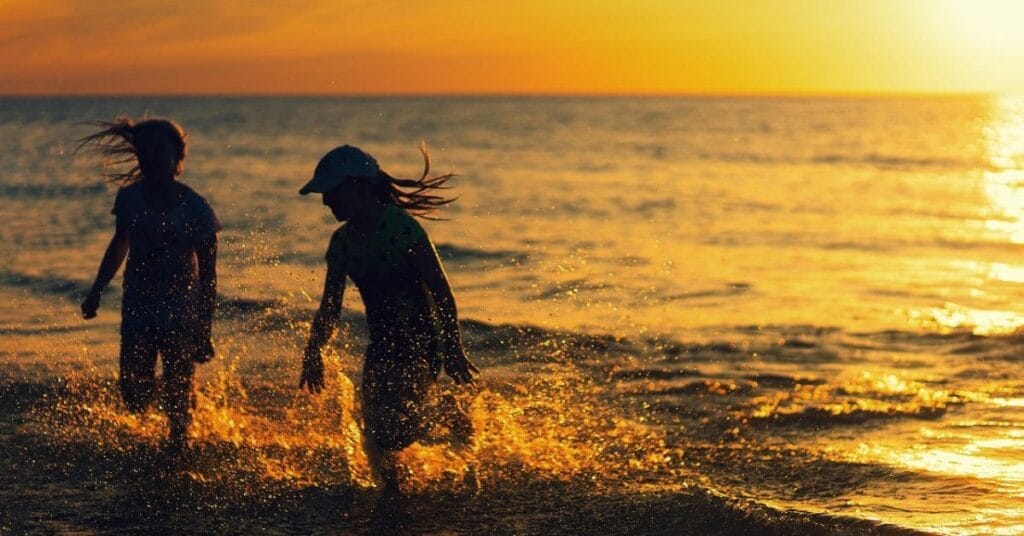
(169, 234)
(410, 310)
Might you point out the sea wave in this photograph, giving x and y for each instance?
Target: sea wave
(45, 284)
(456, 253)
(882, 160)
(780, 343)
(875, 160)
(450, 253)
(51, 191)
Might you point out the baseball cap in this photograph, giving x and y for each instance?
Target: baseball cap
(338, 164)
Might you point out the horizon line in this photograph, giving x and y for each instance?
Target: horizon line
(524, 95)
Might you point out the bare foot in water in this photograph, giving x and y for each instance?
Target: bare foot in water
(176, 448)
(391, 513)
(470, 481)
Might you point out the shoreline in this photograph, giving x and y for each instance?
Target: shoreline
(54, 487)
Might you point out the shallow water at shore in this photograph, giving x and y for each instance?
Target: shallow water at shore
(560, 448)
(770, 431)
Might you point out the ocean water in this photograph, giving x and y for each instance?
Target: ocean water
(783, 314)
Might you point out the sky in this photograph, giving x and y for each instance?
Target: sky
(74, 47)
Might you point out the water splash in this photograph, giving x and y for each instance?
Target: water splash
(549, 428)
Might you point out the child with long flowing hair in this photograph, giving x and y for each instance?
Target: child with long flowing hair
(410, 309)
(168, 233)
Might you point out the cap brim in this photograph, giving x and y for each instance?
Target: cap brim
(316, 185)
(322, 184)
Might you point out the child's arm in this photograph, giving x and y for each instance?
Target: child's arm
(320, 332)
(206, 257)
(112, 259)
(425, 260)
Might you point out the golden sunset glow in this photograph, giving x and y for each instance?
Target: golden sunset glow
(781, 46)
(731, 266)
(992, 25)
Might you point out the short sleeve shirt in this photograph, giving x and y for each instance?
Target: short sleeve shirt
(162, 268)
(398, 304)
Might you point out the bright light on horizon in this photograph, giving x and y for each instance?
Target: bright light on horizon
(992, 25)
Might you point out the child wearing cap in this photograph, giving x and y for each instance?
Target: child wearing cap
(169, 234)
(410, 309)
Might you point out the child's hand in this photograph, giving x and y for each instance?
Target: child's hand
(91, 304)
(458, 366)
(312, 371)
(204, 351)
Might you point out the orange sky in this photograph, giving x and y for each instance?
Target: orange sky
(527, 46)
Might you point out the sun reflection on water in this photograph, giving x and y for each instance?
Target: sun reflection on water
(1008, 402)
(996, 271)
(972, 459)
(954, 318)
(1002, 185)
(1004, 139)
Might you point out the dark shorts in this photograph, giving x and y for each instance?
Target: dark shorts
(137, 379)
(397, 394)
(168, 328)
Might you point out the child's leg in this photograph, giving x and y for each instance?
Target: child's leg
(177, 397)
(138, 370)
(383, 464)
(390, 411)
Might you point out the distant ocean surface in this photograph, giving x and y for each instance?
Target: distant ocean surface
(810, 308)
